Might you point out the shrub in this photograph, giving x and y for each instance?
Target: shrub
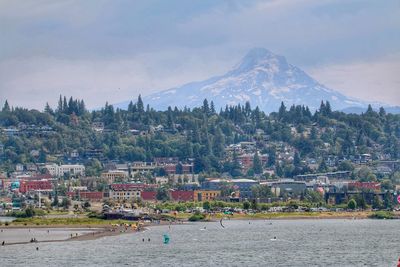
(196, 217)
(382, 215)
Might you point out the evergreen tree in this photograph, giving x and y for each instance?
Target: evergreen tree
(48, 109)
(60, 107)
(369, 110)
(271, 157)
(257, 165)
(139, 104)
(328, 110)
(6, 107)
(322, 166)
(282, 111)
(296, 160)
(218, 143)
(206, 108)
(212, 107)
(382, 112)
(278, 170)
(236, 169)
(65, 106)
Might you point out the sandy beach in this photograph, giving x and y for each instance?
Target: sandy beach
(25, 235)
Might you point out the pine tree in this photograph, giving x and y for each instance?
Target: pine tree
(130, 107)
(369, 110)
(60, 105)
(212, 107)
(382, 112)
(328, 110)
(296, 160)
(257, 165)
(322, 166)
(140, 105)
(206, 108)
(282, 111)
(48, 109)
(65, 106)
(236, 169)
(218, 143)
(6, 107)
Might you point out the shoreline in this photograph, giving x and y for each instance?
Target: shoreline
(109, 229)
(99, 232)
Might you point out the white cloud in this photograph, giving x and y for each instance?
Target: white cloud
(33, 82)
(90, 49)
(377, 80)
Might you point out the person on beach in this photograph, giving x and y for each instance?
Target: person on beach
(3, 243)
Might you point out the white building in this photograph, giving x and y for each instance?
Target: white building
(60, 170)
(125, 191)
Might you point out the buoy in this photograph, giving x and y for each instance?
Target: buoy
(37, 248)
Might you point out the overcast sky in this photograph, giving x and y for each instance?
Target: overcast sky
(113, 50)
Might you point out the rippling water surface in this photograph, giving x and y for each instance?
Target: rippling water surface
(240, 243)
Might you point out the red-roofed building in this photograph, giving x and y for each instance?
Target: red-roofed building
(34, 185)
(180, 195)
(149, 195)
(365, 185)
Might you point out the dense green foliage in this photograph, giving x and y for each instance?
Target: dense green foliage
(200, 134)
(197, 216)
(382, 215)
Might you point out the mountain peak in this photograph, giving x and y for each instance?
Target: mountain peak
(262, 78)
(258, 57)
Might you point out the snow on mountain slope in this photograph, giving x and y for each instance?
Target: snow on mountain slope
(262, 78)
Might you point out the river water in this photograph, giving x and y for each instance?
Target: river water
(241, 243)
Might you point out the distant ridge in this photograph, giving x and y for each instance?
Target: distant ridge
(262, 78)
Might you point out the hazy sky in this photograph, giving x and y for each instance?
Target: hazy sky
(113, 50)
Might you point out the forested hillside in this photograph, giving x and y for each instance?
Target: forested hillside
(201, 135)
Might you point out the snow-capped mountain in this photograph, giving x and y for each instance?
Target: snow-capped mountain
(262, 78)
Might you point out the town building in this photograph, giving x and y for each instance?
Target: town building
(35, 185)
(374, 186)
(114, 175)
(61, 170)
(288, 187)
(180, 195)
(86, 195)
(125, 191)
(339, 175)
(206, 195)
